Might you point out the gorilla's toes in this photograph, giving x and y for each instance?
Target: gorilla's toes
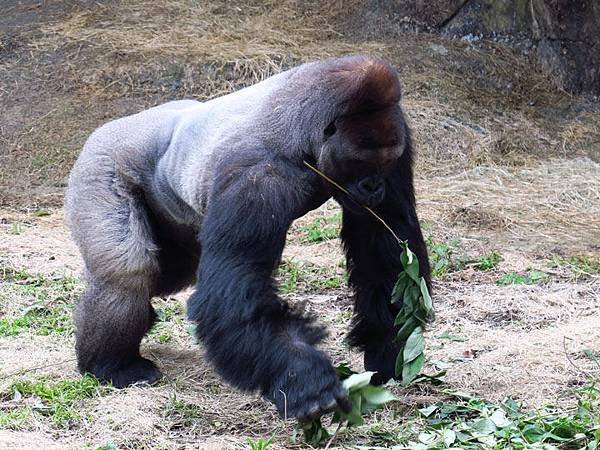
(139, 370)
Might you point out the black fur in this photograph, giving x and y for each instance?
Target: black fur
(373, 261)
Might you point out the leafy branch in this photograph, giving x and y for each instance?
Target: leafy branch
(416, 309)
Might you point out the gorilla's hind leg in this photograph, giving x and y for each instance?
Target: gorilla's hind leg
(111, 322)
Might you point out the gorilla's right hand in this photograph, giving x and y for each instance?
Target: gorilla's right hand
(308, 388)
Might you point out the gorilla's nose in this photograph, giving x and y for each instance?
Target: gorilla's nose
(372, 190)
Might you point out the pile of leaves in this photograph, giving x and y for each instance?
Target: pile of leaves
(473, 423)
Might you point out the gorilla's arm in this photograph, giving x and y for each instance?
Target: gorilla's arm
(253, 338)
(374, 264)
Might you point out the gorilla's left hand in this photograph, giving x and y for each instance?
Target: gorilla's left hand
(308, 388)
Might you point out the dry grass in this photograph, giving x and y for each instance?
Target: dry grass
(552, 207)
(81, 65)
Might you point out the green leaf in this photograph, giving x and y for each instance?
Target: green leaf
(410, 370)
(410, 264)
(415, 344)
(435, 379)
(532, 433)
(343, 370)
(357, 381)
(484, 426)
(499, 419)
(400, 287)
(429, 410)
(354, 417)
(406, 330)
(427, 302)
(314, 432)
(412, 294)
(399, 365)
(376, 395)
(449, 437)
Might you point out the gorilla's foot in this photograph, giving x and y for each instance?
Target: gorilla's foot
(126, 373)
(381, 360)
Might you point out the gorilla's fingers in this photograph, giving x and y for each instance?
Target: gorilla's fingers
(343, 401)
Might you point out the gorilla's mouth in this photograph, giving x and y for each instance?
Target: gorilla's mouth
(348, 202)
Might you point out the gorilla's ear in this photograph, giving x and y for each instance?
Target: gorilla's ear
(365, 83)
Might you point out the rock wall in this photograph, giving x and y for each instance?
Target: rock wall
(565, 34)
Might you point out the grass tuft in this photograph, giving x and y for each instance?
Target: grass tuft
(49, 303)
(322, 229)
(59, 400)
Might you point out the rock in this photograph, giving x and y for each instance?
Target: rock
(565, 32)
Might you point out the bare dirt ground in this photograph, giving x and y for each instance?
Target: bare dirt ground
(508, 165)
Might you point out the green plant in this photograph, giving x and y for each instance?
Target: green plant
(260, 444)
(50, 308)
(531, 277)
(442, 257)
(363, 397)
(415, 309)
(168, 312)
(488, 261)
(58, 400)
(17, 228)
(322, 228)
(581, 266)
(294, 274)
(14, 419)
(470, 422)
(182, 413)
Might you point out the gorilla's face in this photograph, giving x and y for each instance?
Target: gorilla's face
(358, 152)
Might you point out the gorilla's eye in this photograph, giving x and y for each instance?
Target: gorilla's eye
(330, 130)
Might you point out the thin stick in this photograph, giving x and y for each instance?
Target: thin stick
(335, 434)
(341, 188)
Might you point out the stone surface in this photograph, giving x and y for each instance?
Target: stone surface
(564, 34)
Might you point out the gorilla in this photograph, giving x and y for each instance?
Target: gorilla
(203, 193)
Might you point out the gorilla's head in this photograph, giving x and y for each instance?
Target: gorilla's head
(363, 133)
(359, 151)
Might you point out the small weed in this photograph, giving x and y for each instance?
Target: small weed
(14, 419)
(531, 277)
(41, 212)
(18, 228)
(182, 413)
(295, 275)
(50, 309)
(175, 71)
(170, 313)
(442, 257)
(582, 267)
(108, 446)
(58, 400)
(488, 261)
(260, 444)
(322, 228)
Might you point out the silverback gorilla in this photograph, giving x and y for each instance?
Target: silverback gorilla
(204, 193)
